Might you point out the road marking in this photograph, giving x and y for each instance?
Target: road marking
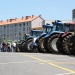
(64, 74)
(62, 62)
(18, 62)
(60, 67)
(8, 56)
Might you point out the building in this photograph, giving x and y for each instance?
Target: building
(14, 29)
(73, 15)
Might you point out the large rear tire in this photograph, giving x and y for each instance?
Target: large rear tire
(59, 45)
(23, 49)
(51, 43)
(67, 45)
(41, 47)
(28, 45)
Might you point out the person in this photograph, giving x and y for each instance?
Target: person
(4, 47)
(13, 47)
(9, 46)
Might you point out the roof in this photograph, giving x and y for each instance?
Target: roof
(16, 20)
(73, 23)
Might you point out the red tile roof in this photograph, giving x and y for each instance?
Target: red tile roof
(16, 20)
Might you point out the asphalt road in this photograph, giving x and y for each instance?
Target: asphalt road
(36, 64)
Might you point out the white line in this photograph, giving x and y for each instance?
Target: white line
(8, 56)
(18, 62)
(64, 74)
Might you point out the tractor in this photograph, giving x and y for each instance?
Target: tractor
(66, 43)
(39, 41)
(48, 42)
(31, 43)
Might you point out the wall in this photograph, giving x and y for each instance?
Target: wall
(38, 22)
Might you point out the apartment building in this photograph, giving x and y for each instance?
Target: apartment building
(14, 29)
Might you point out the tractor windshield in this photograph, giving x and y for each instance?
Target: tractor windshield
(47, 28)
(58, 27)
(35, 33)
(66, 28)
(72, 27)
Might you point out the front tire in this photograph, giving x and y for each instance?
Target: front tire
(51, 43)
(27, 45)
(41, 47)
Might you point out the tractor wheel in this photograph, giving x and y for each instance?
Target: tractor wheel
(41, 45)
(51, 43)
(72, 45)
(23, 49)
(59, 46)
(66, 44)
(17, 48)
(28, 45)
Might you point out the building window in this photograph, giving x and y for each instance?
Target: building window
(4, 27)
(27, 23)
(4, 35)
(7, 35)
(19, 38)
(20, 25)
(7, 25)
(19, 34)
(23, 29)
(23, 24)
(4, 38)
(29, 28)
(15, 25)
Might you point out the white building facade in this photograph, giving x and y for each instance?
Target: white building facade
(14, 29)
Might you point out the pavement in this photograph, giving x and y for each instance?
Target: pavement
(12, 63)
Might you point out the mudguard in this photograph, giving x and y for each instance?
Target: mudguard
(66, 33)
(53, 32)
(30, 37)
(40, 37)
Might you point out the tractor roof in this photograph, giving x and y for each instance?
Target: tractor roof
(48, 25)
(71, 23)
(37, 30)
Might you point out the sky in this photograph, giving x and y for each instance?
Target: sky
(48, 9)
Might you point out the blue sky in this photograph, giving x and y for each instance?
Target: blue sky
(49, 9)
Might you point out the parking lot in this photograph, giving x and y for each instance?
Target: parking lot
(12, 63)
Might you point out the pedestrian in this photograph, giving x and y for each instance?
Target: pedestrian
(13, 47)
(8, 46)
(4, 47)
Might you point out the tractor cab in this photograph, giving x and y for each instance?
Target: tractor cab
(47, 28)
(58, 26)
(36, 33)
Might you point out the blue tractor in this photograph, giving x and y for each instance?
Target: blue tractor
(24, 46)
(31, 43)
(40, 41)
(50, 40)
(47, 42)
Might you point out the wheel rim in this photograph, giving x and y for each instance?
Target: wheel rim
(53, 44)
(29, 45)
(42, 44)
